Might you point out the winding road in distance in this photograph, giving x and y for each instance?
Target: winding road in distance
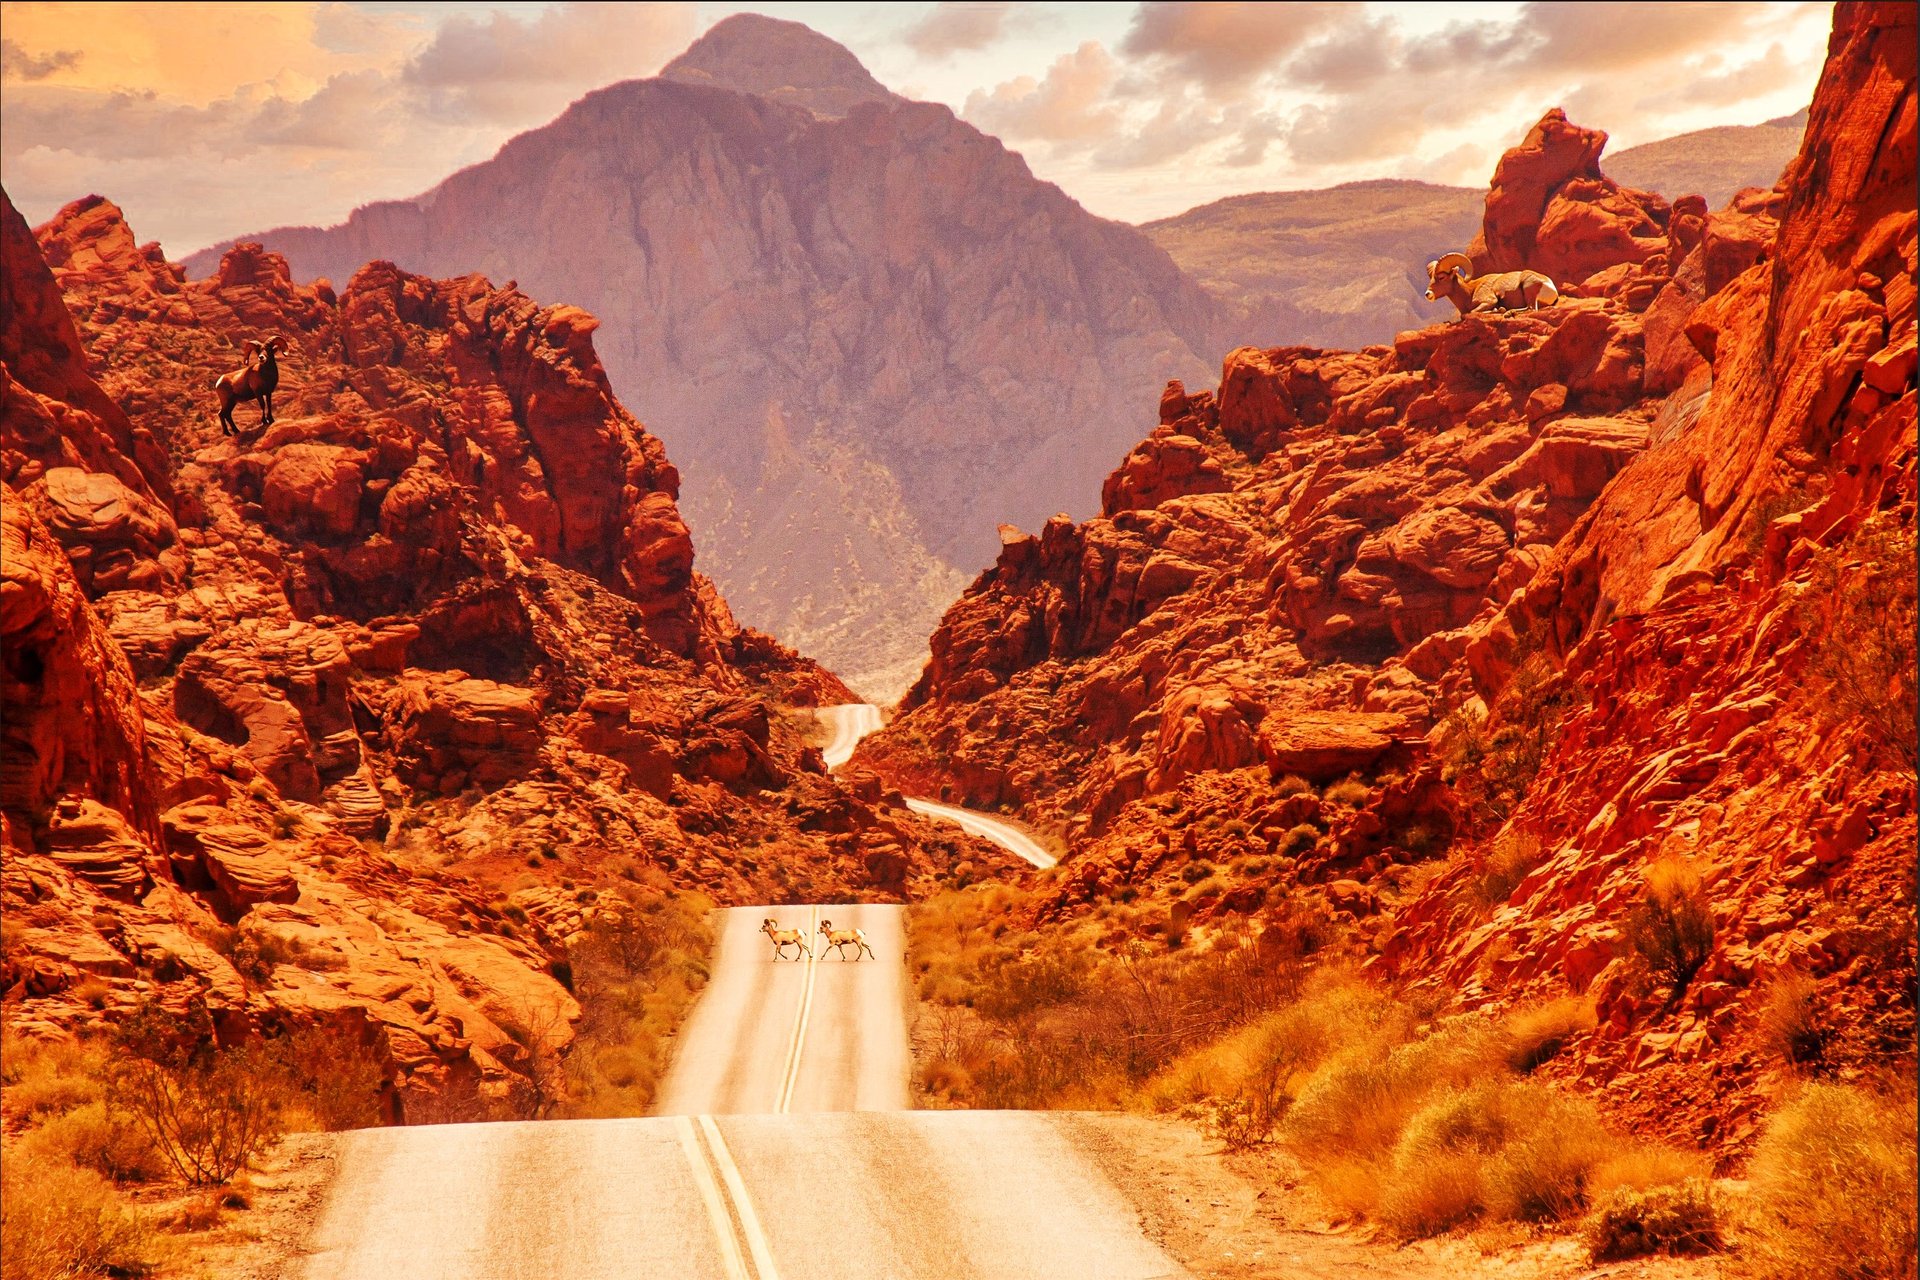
(853, 721)
(784, 1148)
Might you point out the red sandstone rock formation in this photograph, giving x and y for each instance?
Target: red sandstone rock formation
(1507, 526)
(858, 321)
(335, 689)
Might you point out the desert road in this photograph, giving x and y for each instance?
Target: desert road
(853, 721)
(777, 1037)
(784, 1150)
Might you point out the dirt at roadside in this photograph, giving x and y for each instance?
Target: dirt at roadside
(288, 1190)
(1253, 1217)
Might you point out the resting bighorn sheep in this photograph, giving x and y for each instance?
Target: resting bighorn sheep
(784, 938)
(841, 939)
(1507, 291)
(254, 380)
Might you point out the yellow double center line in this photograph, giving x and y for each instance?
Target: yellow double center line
(716, 1201)
(797, 1042)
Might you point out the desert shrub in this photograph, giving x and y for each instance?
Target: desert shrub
(1832, 1189)
(58, 1221)
(1438, 1178)
(1351, 792)
(332, 1075)
(1359, 1102)
(1511, 858)
(1537, 1034)
(48, 1077)
(97, 1137)
(1644, 1166)
(1860, 611)
(1297, 840)
(636, 972)
(209, 1112)
(1291, 785)
(1491, 762)
(1789, 1021)
(1678, 1218)
(1669, 930)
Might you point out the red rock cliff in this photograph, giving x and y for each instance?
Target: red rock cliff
(1518, 596)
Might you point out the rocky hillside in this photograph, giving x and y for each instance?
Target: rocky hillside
(343, 719)
(1488, 639)
(1715, 163)
(1345, 266)
(864, 327)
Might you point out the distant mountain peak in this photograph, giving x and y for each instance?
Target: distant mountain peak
(782, 61)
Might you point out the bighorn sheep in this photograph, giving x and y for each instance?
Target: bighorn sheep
(784, 938)
(254, 380)
(840, 939)
(1507, 291)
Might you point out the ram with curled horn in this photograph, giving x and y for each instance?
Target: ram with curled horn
(1505, 291)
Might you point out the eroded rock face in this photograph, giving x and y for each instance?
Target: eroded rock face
(1552, 516)
(436, 629)
(889, 325)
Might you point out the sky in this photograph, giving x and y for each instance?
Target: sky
(208, 121)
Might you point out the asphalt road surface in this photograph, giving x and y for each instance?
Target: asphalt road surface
(966, 1195)
(785, 1151)
(782, 1036)
(850, 722)
(1015, 840)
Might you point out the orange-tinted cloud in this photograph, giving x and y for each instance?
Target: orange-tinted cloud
(289, 113)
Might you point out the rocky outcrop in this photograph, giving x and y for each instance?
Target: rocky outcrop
(844, 316)
(1524, 597)
(282, 723)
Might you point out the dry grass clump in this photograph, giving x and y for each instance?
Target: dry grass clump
(1832, 1189)
(1669, 931)
(1789, 1021)
(94, 1136)
(1055, 1020)
(1351, 792)
(1510, 860)
(1536, 1034)
(58, 1221)
(47, 1077)
(636, 973)
(1675, 1218)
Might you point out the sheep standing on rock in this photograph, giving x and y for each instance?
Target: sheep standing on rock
(1507, 291)
(254, 380)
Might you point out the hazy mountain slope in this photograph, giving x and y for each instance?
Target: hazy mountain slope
(1345, 266)
(1339, 267)
(799, 303)
(1713, 163)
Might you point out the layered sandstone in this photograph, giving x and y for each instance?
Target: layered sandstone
(1544, 529)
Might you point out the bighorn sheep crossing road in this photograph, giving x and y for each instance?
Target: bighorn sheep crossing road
(1507, 291)
(841, 939)
(784, 938)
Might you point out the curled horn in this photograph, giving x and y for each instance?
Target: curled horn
(1451, 262)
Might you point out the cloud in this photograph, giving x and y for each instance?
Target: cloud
(498, 67)
(336, 105)
(17, 64)
(957, 27)
(1220, 46)
(1068, 105)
